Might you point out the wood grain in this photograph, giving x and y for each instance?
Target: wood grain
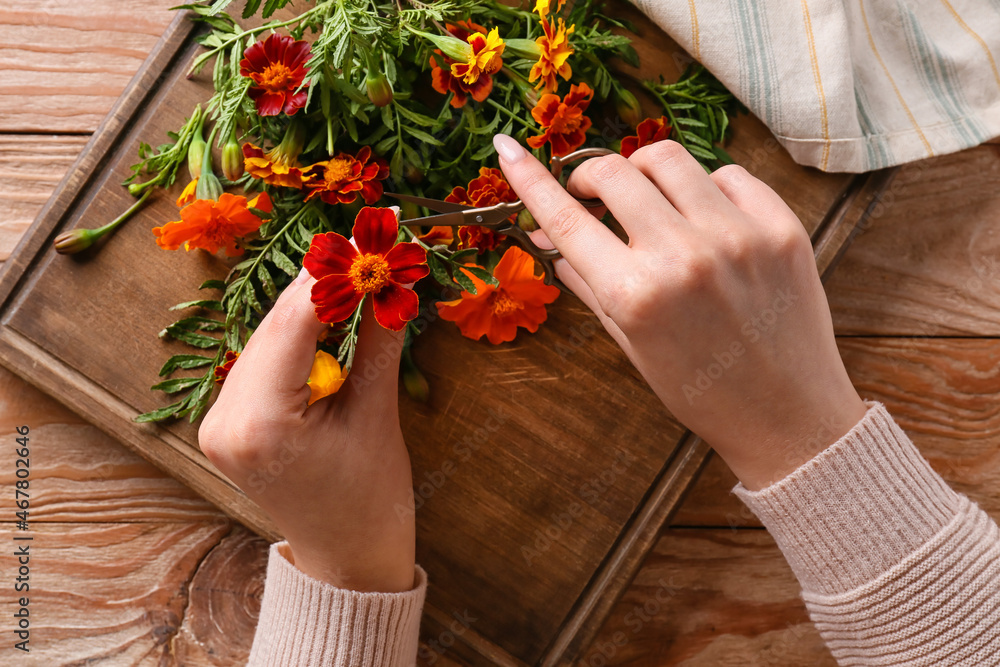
(928, 262)
(65, 63)
(106, 593)
(711, 598)
(31, 166)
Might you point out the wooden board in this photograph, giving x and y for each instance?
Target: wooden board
(568, 421)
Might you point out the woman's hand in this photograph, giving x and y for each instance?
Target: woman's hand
(334, 476)
(715, 298)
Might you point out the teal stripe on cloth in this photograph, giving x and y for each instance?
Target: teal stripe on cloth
(939, 78)
(879, 153)
(758, 71)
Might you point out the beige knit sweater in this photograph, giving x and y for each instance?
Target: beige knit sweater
(896, 569)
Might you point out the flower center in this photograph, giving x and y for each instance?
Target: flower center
(567, 120)
(369, 273)
(337, 171)
(502, 304)
(275, 77)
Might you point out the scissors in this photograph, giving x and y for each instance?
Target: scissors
(497, 217)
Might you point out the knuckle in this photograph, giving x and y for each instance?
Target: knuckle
(606, 169)
(565, 222)
(791, 240)
(732, 175)
(660, 152)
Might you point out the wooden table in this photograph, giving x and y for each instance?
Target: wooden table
(134, 568)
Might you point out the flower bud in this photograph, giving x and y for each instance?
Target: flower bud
(75, 240)
(628, 106)
(412, 173)
(136, 189)
(526, 221)
(287, 152)
(232, 158)
(379, 88)
(196, 153)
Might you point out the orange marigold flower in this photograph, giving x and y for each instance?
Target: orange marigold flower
(497, 312)
(544, 7)
(649, 131)
(213, 225)
(222, 371)
(489, 188)
(563, 124)
(484, 57)
(277, 67)
(443, 82)
(325, 377)
(270, 168)
(378, 266)
(438, 236)
(556, 50)
(340, 179)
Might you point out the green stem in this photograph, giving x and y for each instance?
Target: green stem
(520, 120)
(352, 338)
(124, 216)
(670, 114)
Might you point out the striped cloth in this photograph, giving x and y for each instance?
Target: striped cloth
(852, 85)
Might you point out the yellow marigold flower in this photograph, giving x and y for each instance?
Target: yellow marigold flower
(544, 7)
(556, 50)
(325, 378)
(484, 57)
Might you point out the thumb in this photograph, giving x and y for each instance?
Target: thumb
(375, 372)
(279, 355)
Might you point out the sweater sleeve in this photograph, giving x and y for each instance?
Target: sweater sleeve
(896, 567)
(307, 623)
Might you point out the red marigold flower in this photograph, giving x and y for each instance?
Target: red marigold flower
(378, 266)
(649, 132)
(222, 371)
(270, 169)
(277, 67)
(489, 188)
(212, 225)
(340, 179)
(443, 81)
(552, 62)
(563, 124)
(496, 312)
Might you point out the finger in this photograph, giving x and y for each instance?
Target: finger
(374, 375)
(587, 244)
(632, 198)
(749, 194)
(683, 181)
(280, 353)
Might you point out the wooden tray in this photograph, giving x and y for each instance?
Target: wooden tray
(544, 467)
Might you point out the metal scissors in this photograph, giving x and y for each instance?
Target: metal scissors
(498, 216)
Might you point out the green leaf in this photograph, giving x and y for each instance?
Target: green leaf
(281, 261)
(195, 339)
(159, 414)
(698, 151)
(465, 281)
(482, 274)
(438, 271)
(422, 136)
(175, 385)
(184, 361)
(463, 254)
(267, 282)
(691, 122)
(210, 304)
(212, 284)
(415, 117)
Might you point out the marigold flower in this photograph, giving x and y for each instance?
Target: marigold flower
(443, 81)
(497, 312)
(221, 371)
(340, 179)
(484, 57)
(552, 62)
(563, 124)
(277, 67)
(438, 235)
(544, 7)
(325, 378)
(649, 132)
(187, 195)
(378, 266)
(489, 188)
(233, 165)
(270, 170)
(213, 225)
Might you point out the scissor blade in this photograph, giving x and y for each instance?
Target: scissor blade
(432, 204)
(455, 219)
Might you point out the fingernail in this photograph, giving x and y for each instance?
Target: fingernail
(302, 277)
(510, 151)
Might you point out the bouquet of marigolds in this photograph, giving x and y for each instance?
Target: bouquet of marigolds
(318, 114)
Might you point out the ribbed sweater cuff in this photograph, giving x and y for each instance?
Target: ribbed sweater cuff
(306, 622)
(856, 509)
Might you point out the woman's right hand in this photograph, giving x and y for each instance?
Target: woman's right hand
(715, 298)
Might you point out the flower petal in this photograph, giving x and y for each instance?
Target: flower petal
(335, 298)
(325, 377)
(375, 230)
(329, 254)
(407, 263)
(395, 306)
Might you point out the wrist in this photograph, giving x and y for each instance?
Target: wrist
(376, 569)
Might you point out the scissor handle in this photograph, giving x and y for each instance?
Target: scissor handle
(557, 163)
